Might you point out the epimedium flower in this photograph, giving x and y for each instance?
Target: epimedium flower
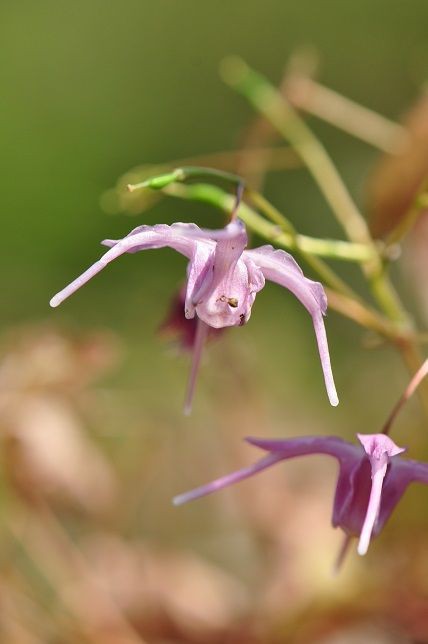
(370, 483)
(223, 279)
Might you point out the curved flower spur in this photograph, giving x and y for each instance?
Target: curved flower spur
(371, 479)
(222, 281)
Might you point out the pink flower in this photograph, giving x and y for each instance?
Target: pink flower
(371, 480)
(222, 281)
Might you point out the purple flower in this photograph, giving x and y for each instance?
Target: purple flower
(222, 281)
(371, 480)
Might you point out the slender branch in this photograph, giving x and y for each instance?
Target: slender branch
(282, 233)
(410, 389)
(363, 315)
(335, 249)
(183, 174)
(304, 245)
(269, 102)
(406, 223)
(347, 115)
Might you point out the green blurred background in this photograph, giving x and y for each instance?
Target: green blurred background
(91, 89)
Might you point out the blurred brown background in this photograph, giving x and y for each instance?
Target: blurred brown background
(94, 444)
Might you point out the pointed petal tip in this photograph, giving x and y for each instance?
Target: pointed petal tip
(362, 548)
(55, 301)
(179, 500)
(187, 409)
(334, 400)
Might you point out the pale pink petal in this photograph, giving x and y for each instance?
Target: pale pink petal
(231, 242)
(412, 471)
(322, 343)
(376, 445)
(380, 449)
(279, 450)
(291, 447)
(379, 467)
(199, 276)
(227, 480)
(144, 237)
(213, 280)
(278, 266)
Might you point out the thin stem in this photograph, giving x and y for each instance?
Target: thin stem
(269, 102)
(406, 223)
(200, 338)
(410, 389)
(238, 199)
(275, 233)
(340, 296)
(330, 248)
(347, 115)
(183, 174)
(344, 549)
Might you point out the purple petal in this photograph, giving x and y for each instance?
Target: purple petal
(235, 230)
(181, 235)
(231, 243)
(278, 266)
(376, 445)
(212, 269)
(322, 343)
(400, 474)
(227, 480)
(199, 275)
(380, 449)
(280, 450)
(379, 467)
(413, 471)
(291, 447)
(141, 238)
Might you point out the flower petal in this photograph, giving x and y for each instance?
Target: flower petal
(143, 237)
(291, 447)
(413, 471)
(231, 242)
(380, 449)
(278, 266)
(376, 445)
(279, 450)
(227, 480)
(227, 245)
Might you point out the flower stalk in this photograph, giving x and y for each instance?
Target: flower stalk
(269, 102)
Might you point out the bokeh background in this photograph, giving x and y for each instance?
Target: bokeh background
(94, 444)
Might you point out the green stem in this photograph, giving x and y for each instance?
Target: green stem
(214, 196)
(335, 249)
(406, 223)
(269, 102)
(342, 298)
(183, 174)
